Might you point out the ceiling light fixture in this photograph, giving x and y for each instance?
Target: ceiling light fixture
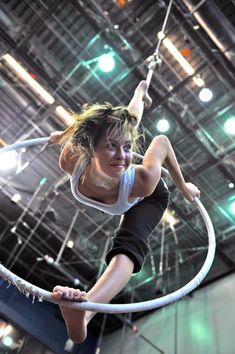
(70, 243)
(106, 62)
(205, 94)
(163, 125)
(232, 207)
(229, 126)
(179, 57)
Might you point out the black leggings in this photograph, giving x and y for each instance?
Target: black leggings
(131, 238)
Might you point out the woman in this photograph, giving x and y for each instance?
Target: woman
(97, 153)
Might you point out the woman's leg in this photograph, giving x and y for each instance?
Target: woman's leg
(113, 280)
(127, 255)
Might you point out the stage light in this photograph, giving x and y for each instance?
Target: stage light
(232, 207)
(163, 125)
(70, 243)
(106, 62)
(229, 126)
(7, 341)
(205, 94)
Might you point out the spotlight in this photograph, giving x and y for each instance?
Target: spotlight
(106, 62)
(7, 341)
(205, 94)
(163, 125)
(232, 207)
(70, 244)
(229, 126)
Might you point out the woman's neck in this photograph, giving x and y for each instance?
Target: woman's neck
(96, 179)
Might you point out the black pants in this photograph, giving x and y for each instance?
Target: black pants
(131, 238)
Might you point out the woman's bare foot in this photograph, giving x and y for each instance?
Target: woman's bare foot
(142, 89)
(75, 320)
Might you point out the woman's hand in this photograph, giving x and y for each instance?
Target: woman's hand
(190, 191)
(55, 137)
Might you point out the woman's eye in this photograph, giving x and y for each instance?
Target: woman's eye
(111, 145)
(128, 147)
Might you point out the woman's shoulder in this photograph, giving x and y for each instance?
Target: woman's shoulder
(142, 186)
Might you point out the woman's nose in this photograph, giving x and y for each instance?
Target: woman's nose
(120, 153)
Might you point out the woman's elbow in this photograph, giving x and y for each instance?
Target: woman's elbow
(163, 139)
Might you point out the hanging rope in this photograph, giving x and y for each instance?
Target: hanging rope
(154, 58)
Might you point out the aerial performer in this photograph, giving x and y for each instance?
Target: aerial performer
(97, 153)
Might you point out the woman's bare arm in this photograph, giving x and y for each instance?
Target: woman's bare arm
(161, 152)
(59, 137)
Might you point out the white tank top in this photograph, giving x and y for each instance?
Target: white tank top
(122, 204)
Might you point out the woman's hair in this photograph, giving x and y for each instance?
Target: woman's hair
(96, 121)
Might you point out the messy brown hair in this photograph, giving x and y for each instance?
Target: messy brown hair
(95, 121)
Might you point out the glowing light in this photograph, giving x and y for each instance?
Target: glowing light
(232, 207)
(8, 160)
(231, 185)
(229, 126)
(169, 218)
(48, 259)
(106, 62)
(121, 3)
(70, 244)
(76, 282)
(64, 115)
(163, 125)
(7, 341)
(16, 198)
(185, 52)
(198, 81)
(205, 94)
(6, 330)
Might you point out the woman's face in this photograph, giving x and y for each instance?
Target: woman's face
(112, 155)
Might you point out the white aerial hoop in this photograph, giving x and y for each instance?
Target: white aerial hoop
(41, 294)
